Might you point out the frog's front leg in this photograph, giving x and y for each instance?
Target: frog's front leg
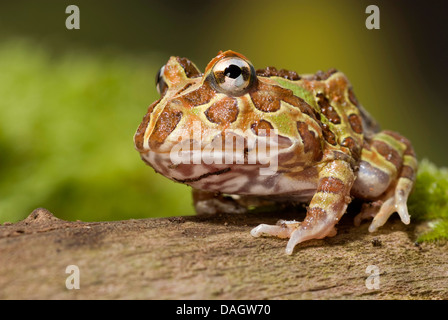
(325, 210)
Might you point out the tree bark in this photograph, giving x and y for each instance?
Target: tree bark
(215, 257)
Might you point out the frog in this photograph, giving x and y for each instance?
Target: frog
(327, 148)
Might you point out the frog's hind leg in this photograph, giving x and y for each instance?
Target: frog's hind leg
(394, 158)
(325, 210)
(397, 200)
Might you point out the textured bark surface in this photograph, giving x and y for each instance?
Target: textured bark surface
(213, 258)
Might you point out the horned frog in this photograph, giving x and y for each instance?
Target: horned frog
(326, 148)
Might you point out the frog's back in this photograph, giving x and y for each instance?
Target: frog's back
(339, 87)
(344, 122)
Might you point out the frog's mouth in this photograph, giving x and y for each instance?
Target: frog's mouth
(202, 176)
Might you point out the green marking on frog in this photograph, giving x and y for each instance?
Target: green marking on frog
(297, 90)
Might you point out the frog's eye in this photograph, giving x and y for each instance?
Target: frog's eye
(233, 76)
(160, 83)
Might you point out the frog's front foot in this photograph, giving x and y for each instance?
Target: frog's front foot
(326, 208)
(295, 231)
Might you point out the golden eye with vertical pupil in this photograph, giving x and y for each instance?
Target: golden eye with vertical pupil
(160, 83)
(233, 76)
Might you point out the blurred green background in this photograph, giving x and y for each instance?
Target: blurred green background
(71, 100)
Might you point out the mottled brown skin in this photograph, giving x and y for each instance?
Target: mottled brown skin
(222, 112)
(330, 148)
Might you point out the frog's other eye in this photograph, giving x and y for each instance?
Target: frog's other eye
(233, 76)
(160, 83)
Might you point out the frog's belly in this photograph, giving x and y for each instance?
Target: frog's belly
(243, 179)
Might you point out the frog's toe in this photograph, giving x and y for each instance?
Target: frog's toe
(391, 205)
(383, 215)
(402, 207)
(301, 234)
(283, 229)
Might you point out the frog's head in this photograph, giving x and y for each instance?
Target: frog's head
(229, 99)
(212, 99)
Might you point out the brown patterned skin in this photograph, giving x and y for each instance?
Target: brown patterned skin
(328, 149)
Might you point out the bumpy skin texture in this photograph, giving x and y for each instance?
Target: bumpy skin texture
(329, 148)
